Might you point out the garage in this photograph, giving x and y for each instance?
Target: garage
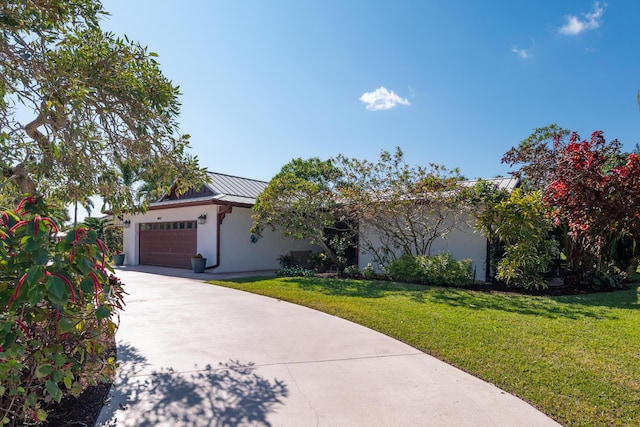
(168, 244)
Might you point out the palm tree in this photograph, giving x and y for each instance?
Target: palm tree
(87, 204)
(98, 225)
(150, 190)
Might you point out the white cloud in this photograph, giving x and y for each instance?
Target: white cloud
(522, 53)
(382, 99)
(590, 21)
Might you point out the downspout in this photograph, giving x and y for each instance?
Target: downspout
(222, 212)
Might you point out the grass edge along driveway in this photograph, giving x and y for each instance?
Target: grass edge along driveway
(576, 358)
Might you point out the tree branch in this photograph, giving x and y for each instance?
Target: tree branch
(20, 176)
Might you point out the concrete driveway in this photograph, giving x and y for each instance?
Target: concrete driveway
(193, 354)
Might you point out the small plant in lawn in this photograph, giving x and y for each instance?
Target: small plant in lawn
(59, 303)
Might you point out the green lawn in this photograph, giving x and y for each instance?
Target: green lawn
(577, 358)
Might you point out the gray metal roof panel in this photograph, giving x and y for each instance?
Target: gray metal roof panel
(235, 186)
(502, 183)
(225, 188)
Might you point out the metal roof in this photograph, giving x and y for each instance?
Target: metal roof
(235, 190)
(227, 185)
(226, 189)
(501, 183)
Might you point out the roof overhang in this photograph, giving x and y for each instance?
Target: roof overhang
(192, 202)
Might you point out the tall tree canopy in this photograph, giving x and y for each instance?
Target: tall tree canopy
(300, 202)
(401, 209)
(77, 103)
(537, 156)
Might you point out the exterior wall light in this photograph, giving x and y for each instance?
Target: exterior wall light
(126, 223)
(202, 219)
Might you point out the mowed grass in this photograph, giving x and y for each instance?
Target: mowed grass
(576, 358)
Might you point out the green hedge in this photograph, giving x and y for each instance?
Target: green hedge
(440, 270)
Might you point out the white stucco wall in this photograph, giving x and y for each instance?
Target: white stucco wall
(461, 243)
(237, 252)
(465, 243)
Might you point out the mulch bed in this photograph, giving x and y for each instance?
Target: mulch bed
(80, 412)
(84, 410)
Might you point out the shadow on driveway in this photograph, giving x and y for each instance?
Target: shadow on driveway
(230, 394)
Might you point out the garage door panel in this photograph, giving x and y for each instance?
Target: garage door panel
(169, 244)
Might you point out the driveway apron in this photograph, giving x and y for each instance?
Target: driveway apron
(193, 354)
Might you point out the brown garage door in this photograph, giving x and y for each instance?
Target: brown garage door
(168, 244)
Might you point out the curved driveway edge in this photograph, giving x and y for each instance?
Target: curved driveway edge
(193, 354)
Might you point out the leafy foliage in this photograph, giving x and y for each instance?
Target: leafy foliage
(405, 207)
(99, 225)
(484, 196)
(390, 206)
(538, 156)
(96, 101)
(521, 223)
(351, 270)
(592, 189)
(59, 302)
(368, 272)
(111, 234)
(319, 261)
(525, 263)
(439, 270)
(113, 238)
(285, 260)
(595, 192)
(299, 201)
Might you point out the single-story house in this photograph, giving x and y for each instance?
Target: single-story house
(214, 221)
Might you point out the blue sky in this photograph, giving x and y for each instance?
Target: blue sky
(451, 82)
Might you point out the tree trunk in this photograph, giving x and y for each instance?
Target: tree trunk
(20, 176)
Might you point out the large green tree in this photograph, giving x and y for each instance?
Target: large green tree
(400, 208)
(300, 202)
(77, 102)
